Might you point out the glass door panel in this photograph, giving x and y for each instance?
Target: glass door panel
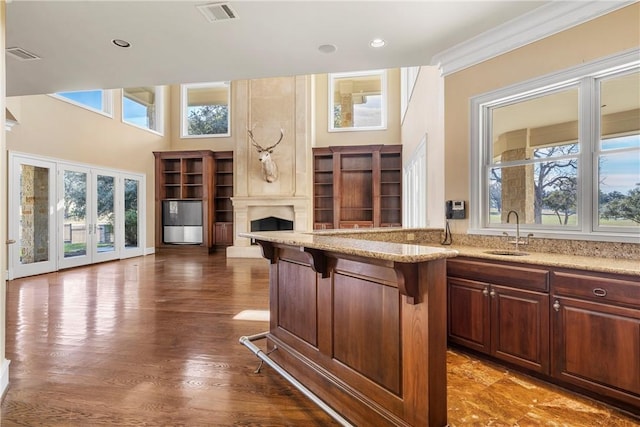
(104, 217)
(31, 233)
(132, 186)
(76, 228)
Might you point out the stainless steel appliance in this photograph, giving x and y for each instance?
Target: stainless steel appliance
(182, 222)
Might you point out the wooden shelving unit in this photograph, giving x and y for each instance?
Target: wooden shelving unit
(357, 186)
(201, 175)
(223, 206)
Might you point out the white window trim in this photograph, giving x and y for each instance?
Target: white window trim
(159, 103)
(383, 100)
(478, 223)
(183, 109)
(107, 103)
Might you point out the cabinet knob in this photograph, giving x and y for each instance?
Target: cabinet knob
(556, 305)
(492, 293)
(485, 292)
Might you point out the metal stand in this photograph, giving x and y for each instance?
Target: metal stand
(247, 341)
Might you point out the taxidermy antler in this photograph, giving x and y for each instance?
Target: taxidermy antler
(269, 167)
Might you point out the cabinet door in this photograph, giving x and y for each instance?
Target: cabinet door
(468, 314)
(597, 347)
(224, 233)
(520, 327)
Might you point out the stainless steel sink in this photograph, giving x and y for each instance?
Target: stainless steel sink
(506, 252)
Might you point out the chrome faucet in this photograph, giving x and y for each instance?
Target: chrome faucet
(517, 241)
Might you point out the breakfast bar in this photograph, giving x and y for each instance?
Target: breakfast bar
(361, 324)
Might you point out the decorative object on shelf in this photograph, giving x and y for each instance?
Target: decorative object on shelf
(269, 167)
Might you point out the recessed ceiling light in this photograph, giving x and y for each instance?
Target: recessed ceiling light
(377, 43)
(327, 48)
(121, 43)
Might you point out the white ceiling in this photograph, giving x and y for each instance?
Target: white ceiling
(172, 42)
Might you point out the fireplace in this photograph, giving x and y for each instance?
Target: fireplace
(265, 214)
(271, 223)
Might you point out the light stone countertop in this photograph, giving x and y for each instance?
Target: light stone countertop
(332, 240)
(398, 252)
(597, 264)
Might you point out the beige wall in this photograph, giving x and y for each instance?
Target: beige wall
(324, 138)
(425, 116)
(53, 128)
(607, 35)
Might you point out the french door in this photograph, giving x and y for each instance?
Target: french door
(87, 216)
(66, 215)
(31, 236)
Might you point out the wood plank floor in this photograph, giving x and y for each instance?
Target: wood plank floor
(152, 341)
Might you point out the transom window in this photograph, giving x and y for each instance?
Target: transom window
(358, 101)
(97, 100)
(142, 107)
(562, 151)
(205, 110)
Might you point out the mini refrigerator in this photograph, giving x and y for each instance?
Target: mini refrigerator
(182, 222)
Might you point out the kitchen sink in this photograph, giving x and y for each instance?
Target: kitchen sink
(506, 252)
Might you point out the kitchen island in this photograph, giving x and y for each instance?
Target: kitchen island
(361, 324)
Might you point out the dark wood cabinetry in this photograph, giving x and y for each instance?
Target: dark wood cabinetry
(575, 328)
(596, 334)
(223, 206)
(504, 319)
(357, 186)
(197, 175)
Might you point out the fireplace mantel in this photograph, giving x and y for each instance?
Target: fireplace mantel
(247, 209)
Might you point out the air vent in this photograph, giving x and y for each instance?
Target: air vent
(21, 54)
(215, 12)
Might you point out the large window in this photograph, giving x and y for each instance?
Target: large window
(562, 151)
(95, 100)
(358, 101)
(205, 109)
(142, 107)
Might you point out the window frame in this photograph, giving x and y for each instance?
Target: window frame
(383, 100)
(184, 123)
(586, 77)
(107, 101)
(159, 111)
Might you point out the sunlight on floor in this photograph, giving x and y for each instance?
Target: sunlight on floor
(255, 315)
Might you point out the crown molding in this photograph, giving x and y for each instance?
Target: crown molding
(549, 19)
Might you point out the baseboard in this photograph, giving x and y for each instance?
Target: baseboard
(4, 377)
(149, 251)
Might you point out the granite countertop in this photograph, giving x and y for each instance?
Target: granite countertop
(589, 263)
(398, 252)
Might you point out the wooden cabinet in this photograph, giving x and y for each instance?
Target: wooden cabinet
(357, 186)
(199, 175)
(500, 310)
(223, 191)
(596, 334)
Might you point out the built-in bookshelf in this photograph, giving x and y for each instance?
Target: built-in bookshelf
(357, 186)
(223, 209)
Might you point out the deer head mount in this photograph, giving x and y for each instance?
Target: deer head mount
(269, 167)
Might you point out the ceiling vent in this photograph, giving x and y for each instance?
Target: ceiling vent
(21, 54)
(215, 12)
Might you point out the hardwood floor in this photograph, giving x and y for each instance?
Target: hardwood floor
(152, 341)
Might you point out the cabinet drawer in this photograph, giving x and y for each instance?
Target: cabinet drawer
(500, 274)
(602, 288)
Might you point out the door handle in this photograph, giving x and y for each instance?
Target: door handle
(10, 241)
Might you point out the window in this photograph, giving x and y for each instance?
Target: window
(358, 101)
(97, 100)
(142, 107)
(562, 151)
(205, 109)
